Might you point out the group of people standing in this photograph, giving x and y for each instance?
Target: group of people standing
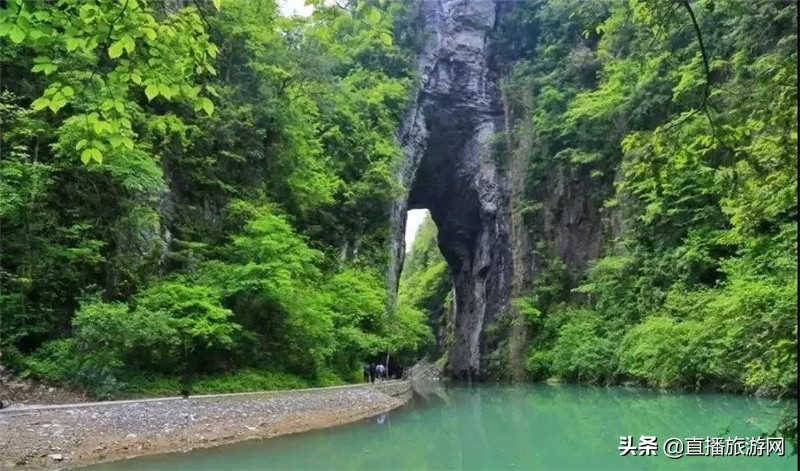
(373, 371)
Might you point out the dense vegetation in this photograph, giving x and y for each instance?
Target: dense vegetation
(199, 192)
(426, 285)
(681, 118)
(203, 192)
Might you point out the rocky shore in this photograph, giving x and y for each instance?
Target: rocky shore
(34, 437)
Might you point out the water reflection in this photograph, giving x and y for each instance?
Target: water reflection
(507, 427)
(430, 393)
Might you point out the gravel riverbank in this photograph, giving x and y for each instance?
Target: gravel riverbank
(80, 434)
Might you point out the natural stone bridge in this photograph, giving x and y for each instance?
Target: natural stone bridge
(450, 170)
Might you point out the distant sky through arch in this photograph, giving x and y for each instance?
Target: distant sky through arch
(413, 221)
(294, 7)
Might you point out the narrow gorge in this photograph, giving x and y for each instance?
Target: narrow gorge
(213, 195)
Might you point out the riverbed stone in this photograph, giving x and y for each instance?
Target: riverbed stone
(109, 431)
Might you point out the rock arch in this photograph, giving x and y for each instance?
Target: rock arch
(449, 168)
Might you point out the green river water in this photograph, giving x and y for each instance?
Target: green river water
(508, 427)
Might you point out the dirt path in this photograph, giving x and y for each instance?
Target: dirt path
(69, 435)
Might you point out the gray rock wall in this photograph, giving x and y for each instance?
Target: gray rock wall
(450, 169)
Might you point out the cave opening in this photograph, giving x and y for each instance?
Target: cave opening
(426, 284)
(456, 181)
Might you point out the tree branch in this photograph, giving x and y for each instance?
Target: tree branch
(202, 14)
(96, 68)
(707, 69)
(702, 49)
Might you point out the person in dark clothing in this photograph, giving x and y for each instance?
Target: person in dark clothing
(185, 385)
(372, 372)
(366, 373)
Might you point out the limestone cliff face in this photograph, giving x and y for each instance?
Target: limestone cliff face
(450, 169)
